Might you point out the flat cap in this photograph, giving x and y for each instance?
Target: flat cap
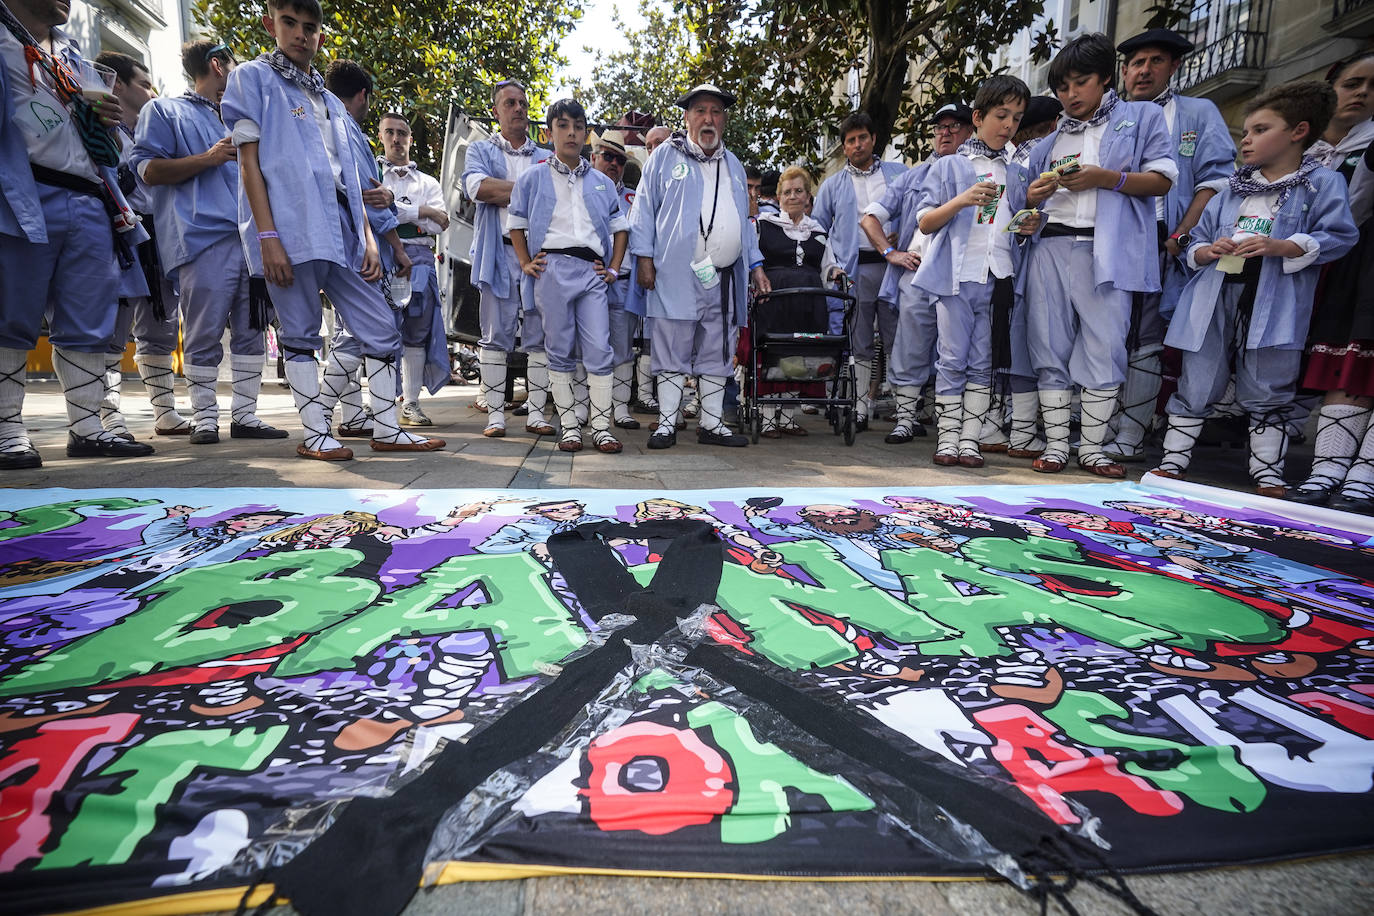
(956, 110)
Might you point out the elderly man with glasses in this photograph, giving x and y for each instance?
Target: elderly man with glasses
(182, 151)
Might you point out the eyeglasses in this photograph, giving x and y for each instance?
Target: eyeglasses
(949, 128)
(217, 50)
(505, 84)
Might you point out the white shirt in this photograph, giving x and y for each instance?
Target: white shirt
(719, 216)
(43, 121)
(571, 224)
(1170, 116)
(516, 165)
(988, 247)
(869, 189)
(1075, 208)
(413, 189)
(1256, 217)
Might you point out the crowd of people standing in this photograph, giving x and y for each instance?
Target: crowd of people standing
(1049, 260)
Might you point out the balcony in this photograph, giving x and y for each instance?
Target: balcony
(1351, 18)
(147, 13)
(1232, 41)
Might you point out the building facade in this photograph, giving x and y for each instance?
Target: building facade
(149, 31)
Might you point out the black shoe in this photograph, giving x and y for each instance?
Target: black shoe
(204, 436)
(860, 424)
(663, 440)
(918, 429)
(1311, 496)
(627, 423)
(726, 438)
(1361, 504)
(239, 431)
(20, 459)
(81, 447)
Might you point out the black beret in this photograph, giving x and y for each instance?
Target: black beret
(1039, 109)
(1167, 39)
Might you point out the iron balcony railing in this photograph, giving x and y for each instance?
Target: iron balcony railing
(1228, 35)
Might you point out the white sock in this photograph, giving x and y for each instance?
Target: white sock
(1268, 445)
(711, 389)
(1138, 398)
(1179, 438)
(1339, 430)
(303, 375)
(1025, 411)
(246, 372)
(493, 368)
(644, 379)
(561, 387)
(160, 380)
(110, 416)
(977, 398)
(1096, 408)
(599, 395)
(412, 373)
(83, 384)
(580, 394)
(13, 376)
(1055, 413)
(204, 401)
(949, 421)
(620, 390)
(863, 380)
(381, 393)
(670, 386)
(536, 387)
(1359, 480)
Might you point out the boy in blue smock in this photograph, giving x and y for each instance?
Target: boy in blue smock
(966, 206)
(147, 299)
(182, 151)
(840, 203)
(913, 347)
(1099, 173)
(569, 236)
(57, 240)
(305, 228)
(1257, 252)
(341, 385)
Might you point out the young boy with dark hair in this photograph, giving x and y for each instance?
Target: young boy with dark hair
(1257, 251)
(182, 153)
(147, 299)
(1099, 173)
(570, 237)
(966, 206)
(307, 229)
(840, 204)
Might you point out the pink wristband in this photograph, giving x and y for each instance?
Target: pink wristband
(1122, 183)
(268, 235)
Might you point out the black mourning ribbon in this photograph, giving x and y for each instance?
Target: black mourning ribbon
(370, 861)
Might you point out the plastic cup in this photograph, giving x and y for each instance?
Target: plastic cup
(97, 80)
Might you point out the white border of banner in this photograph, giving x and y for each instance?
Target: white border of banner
(1315, 515)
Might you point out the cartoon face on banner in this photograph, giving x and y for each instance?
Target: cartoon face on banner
(193, 682)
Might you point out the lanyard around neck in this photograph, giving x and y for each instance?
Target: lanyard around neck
(707, 229)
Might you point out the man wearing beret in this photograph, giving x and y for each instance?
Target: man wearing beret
(1202, 148)
(696, 252)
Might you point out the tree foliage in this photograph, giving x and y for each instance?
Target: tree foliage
(422, 54)
(789, 59)
(656, 64)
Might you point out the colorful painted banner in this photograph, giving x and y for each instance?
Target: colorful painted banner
(196, 685)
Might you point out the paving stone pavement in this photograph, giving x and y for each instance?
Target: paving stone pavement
(1332, 886)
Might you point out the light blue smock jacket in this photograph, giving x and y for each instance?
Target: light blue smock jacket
(486, 158)
(837, 210)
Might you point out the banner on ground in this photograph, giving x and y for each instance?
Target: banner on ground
(196, 686)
